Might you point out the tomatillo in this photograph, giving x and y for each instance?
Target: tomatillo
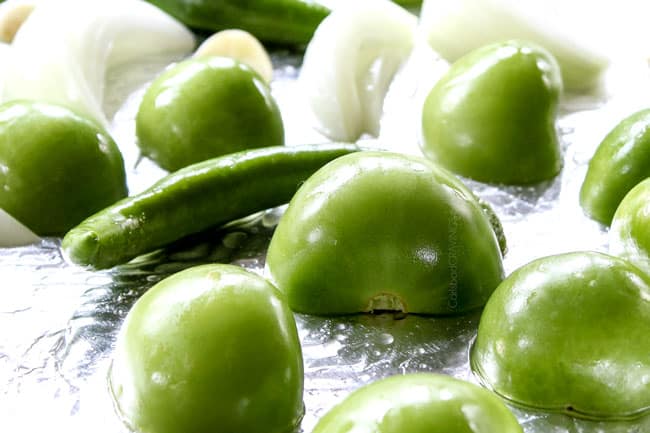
(569, 334)
(419, 403)
(621, 161)
(212, 349)
(56, 167)
(203, 108)
(491, 117)
(383, 231)
(629, 236)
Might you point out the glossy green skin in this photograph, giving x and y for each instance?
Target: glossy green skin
(203, 108)
(212, 349)
(569, 333)
(290, 22)
(629, 236)
(204, 195)
(383, 231)
(492, 116)
(621, 161)
(56, 167)
(419, 403)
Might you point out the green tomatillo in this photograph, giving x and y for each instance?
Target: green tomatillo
(621, 161)
(629, 236)
(569, 334)
(203, 108)
(383, 231)
(56, 167)
(419, 403)
(212, 349)
(492, 116)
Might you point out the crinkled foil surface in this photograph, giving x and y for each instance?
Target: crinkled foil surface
(58, 322)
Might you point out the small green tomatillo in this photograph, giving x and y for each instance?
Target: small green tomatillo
(569, 334)
(56, 167)
(383, 231)
(491, 117)
(212, 349)
(202, 108)
(419, 403)
(621, 161)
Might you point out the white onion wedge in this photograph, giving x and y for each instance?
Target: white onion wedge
(63, 50)
(350, 63)
(401, 123)
(13, 233)
(454, 28)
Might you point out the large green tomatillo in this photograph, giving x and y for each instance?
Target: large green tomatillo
(569, 333)
(621, 161)
(212, 349)
(419, 403)
(492, 116)
(629, 236)
(203, 108)
(56, 168)
(383, 231)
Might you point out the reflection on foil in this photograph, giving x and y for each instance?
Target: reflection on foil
(59, 322)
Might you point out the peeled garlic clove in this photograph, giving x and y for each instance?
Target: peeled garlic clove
(241, 46)
(62, 52)
(13, 233)
(13, 14)
(350, 63)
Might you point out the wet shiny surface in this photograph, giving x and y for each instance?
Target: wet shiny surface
(557, 333)
(59, 322)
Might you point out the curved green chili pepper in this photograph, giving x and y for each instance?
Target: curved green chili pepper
(195, 198)
(278, 21)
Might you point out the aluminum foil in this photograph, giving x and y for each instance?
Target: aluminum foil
(59, 322)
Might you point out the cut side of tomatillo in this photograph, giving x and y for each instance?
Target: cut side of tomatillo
(203, 108)
(383, 231)
(629, 236)
(56, 168)
(621, 161)
(419, 403)
(569, 334)
(211, 349)
(491, 117)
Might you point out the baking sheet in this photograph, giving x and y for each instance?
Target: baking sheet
(59, 322)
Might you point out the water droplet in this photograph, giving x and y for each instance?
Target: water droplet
(234, 240)
(386, 339)
(158, 378)
(271, 219)
(341, 327)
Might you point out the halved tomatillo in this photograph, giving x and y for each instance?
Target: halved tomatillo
(384, 231)
(569, 333)
(419, 403)
(212, 349)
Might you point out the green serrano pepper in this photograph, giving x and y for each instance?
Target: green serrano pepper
(195, 198)
(277, 21)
